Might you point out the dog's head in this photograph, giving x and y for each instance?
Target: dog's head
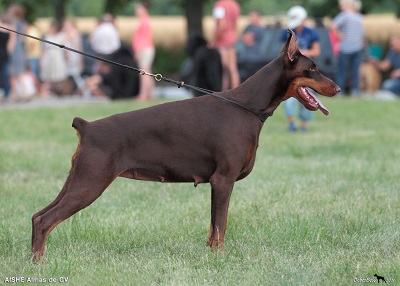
(302, 73)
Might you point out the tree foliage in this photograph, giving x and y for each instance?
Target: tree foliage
(324, 8)
(79, 8)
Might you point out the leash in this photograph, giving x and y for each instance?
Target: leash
(157, 77)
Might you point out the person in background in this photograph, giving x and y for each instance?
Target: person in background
(308, 42)
(16, 13)
(392, 62)
(7, 42)
(113, 81)
(226, 14)
(144, 51)
(33, 51)
(73, 40)
(28, 85)
(53, 63)
(347, 25)
(255, 30)
(105, 38)
(249, 55)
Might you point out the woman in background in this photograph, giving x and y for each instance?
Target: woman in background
(73, 39)
(53, 63)
(144, 51)
(226, 14)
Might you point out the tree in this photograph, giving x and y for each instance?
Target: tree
(330, 8)
(194, 17)
(115, 6)
(59, 10)
(55, 8)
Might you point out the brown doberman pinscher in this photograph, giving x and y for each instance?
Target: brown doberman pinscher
(199, 140)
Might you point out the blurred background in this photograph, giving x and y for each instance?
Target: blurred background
(175, 20)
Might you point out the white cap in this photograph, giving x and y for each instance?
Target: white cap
(296, 15)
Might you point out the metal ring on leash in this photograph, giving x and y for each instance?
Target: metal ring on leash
(158, 77)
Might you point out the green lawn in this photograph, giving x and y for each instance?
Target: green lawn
(320, 208)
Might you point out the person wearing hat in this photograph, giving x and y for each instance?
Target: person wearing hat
(308, 42)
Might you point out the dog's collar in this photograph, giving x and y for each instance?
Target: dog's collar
(262, 117)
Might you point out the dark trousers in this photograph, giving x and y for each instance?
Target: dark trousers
(349, 64)
(4, 78)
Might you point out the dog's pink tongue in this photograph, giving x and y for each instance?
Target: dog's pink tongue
(323, 109)
(321, 106)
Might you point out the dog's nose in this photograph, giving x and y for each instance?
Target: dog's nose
(337, 89)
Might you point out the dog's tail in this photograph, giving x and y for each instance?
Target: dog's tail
(79, 124)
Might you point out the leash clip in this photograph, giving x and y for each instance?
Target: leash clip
(157, 77)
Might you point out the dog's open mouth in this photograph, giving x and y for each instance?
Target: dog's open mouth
(310, 101)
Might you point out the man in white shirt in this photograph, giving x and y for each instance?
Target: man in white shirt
(105, 38)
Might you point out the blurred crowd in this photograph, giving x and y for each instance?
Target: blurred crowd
(338, 47)
(30, 68)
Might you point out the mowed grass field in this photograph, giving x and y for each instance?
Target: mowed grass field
(320, 208)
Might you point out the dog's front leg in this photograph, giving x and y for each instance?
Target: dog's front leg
(221, 190)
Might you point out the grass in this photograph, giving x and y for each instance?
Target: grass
(320, 208)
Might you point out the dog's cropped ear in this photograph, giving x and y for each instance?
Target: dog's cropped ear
(291, 47)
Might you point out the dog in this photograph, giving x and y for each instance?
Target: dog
(370, 77)
(379, 277)
(204, 139)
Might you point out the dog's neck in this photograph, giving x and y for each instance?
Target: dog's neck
(262, 92)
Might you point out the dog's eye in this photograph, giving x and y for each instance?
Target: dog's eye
(312, 69)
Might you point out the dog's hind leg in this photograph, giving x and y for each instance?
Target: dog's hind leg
(221, 190)
(88, 178)
(59, 196)
(51, 205)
